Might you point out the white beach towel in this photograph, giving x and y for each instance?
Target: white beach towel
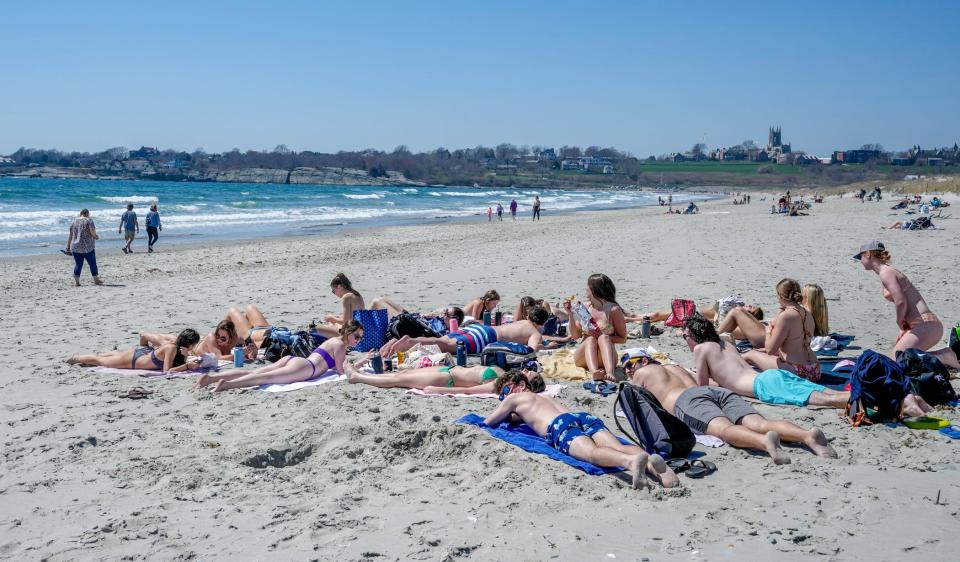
(552, 390)
(149, 373)
(329, 376)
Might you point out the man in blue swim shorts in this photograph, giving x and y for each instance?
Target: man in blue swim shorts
(476, 337)
(579, 435)
(721, 362)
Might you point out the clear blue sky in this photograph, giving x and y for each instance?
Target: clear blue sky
(647, 77)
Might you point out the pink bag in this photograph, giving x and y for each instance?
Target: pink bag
(680, 310)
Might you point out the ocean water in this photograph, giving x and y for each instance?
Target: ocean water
(35, 214)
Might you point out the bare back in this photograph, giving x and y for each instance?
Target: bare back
(522, 332)
(723, 363)
(535, 410)
(790, 337)
(666, 382)
(916, 306)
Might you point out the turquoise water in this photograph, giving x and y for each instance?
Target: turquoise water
(36, 213)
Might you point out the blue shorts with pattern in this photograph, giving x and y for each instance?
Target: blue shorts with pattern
(567, 427)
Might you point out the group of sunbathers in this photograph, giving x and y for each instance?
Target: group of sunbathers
(780, 367)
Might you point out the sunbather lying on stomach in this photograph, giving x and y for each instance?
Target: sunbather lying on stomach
(579, 435)
(719, 412)
(477, 336)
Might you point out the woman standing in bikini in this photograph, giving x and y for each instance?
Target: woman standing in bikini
(170, 356)
(787, 346)
(919, 327)
(331, 355)
(597, 352)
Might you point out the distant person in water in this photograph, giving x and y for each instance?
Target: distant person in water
(513, 209)
(536, 207)
(153, 227)
(129, 226)
(81, 244)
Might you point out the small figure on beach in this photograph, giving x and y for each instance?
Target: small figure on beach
(580, 435)
(513, 209)
(489, 302)
(489, 214)
(500, 211)
(153, 227)
(350, 300)
(536, 207)
(81, 244)
(129, 226)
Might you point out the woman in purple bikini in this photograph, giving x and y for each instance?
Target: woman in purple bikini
(331, 355)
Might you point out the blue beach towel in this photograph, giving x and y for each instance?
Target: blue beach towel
(524, 437)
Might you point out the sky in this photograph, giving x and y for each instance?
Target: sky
(645, 77)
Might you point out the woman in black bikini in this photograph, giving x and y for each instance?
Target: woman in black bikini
(167, 357)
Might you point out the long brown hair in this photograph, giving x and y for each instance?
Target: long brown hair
(789, 289)
(487, 298)
(340, 280)
(602, 288)
(228, 327)
(348, 328)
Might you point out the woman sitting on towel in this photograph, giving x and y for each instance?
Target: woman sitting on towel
(816, 304)
(597, 351)
(488, 302)
(450, 380)
(788, 344)
(168, 357)
(919, 327)
(350, 300)
(331, 355)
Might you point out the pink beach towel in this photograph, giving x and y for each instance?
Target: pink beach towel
(552, 390)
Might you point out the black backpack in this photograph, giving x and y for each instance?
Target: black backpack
(877, 389)
(656, 429)
(411, 325)
(280, 343)
(928, 376)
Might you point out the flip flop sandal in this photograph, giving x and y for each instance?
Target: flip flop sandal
(700, 468)
(136, 393)
(678, 465)
(656, 331)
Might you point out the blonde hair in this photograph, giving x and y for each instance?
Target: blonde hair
(816, 303)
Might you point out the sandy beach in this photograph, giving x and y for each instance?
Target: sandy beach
(373, 474)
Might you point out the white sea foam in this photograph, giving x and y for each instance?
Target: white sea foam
(363, 196)
(130, 199)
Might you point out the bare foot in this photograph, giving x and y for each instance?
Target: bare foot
(817, 442)
(772, 445)
(660, 471)
(73, 359)
(599, 375)
(219, 386)
(638, 471)
(914, 406)
(203, 381)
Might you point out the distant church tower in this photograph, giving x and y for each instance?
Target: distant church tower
(774, 139)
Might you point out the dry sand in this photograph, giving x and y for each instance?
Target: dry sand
(381, 475)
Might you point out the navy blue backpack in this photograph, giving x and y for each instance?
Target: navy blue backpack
(878, 386)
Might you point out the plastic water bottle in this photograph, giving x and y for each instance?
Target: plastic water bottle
(498, 318)
(377, 364)
(237, 357)
(645, 327)
(461, 354)
(486, 318)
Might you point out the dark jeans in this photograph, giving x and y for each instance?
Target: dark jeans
(536, 213)
(91, 258)
(152, 235)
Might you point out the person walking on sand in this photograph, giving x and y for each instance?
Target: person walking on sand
(489, 214)
(129, 226)
(153, 227)
(536, 207)
(513, 209)
(81, 243)
(500, 211)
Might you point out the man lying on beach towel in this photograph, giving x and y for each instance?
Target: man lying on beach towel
(579, 435)
(478, 336)
(719, 412)
(722, 362)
